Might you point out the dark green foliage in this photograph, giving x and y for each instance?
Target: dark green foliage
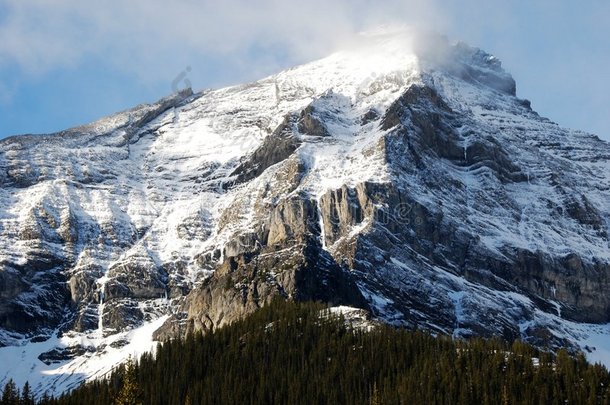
(10, 394)
(26, 395)
(287, 353)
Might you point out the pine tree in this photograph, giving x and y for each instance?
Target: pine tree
(27, 398)
(45, 398)
(10, 395)
(130, 392)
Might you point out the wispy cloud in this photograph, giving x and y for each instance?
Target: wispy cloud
(42, 35)
(543, 43)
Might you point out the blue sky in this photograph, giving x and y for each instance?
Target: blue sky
(69, 62)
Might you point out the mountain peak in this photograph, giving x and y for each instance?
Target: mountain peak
(399, 55)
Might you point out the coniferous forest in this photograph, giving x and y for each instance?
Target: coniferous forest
(287, 353)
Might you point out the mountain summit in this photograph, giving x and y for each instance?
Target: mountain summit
(401, 175)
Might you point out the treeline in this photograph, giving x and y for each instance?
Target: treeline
(286, 353)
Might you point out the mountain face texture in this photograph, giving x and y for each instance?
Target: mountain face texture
(402, 176)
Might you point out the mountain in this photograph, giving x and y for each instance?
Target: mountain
(401, 175)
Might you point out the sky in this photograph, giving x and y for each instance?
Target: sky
(69, 62)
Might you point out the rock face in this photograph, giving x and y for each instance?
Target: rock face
(416, 186)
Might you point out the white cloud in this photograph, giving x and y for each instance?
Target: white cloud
(40, 35)
(540, 42)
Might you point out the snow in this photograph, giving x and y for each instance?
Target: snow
(354, 317)
(596, 343)
(21, 362)
(468, 298)
(457, 297)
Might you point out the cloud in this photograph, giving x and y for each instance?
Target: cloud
(549, 46)
(146, 36)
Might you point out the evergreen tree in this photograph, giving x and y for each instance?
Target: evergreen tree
(45, 399)
(130, 392)
(27, 398)
(10, 394)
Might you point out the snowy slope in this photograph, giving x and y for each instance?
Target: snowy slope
(447, 201)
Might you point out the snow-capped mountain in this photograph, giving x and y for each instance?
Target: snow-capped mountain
(401, 175)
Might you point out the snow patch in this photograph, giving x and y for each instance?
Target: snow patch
(102, 355)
